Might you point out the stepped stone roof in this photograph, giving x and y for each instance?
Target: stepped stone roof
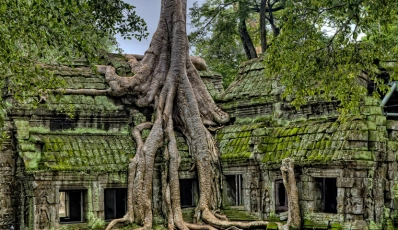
(234, 142)
(318, 142)
(263, 139)
(267, 133)
(73, 150)
(250, 83)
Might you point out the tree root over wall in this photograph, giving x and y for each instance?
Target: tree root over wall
(166, 80)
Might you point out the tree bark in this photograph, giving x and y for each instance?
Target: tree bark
(271, 20)
(289, 180)
(247, 42)
(263, 29)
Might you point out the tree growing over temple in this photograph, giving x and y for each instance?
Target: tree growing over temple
(166, 80)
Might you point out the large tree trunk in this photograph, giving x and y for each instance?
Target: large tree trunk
(289, 180)
(166, 80)
(263, 29)
(247, 42)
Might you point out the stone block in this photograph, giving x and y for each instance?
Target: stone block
(359, 224)
(315, 224)
(26, 146)
(310, 206)
(391, 124)
(392, 145)
(361, 174)
(31, 159)
(387, 185)
(387, 195)
(371, 110)
(381, 120)
(381, 128)
(358, 125)
(23, 134)
(356, 145)
(377, 136)
(336, 144)
(393, 166)
(21, 124)
(371, 125)
(357, 208)
(371, 101)
(345, 182)
(307, 191)
(362, 155)
(393, 135)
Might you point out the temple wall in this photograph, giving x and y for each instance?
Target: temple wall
(346, 172)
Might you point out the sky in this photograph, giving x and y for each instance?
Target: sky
(149, 10)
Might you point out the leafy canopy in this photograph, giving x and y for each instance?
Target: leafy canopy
(318, 47)
(229, 32)
(216, 38)
(325, 45)
(37, 31)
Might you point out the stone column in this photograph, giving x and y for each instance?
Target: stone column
(7, 172)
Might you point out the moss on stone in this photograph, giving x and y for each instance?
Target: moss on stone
(103, 153)
(237, 213)
(310, 224)
(272, 226)
(336, 226)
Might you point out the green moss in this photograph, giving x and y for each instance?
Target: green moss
(377, 136)
(371, 110)
(25, 146)
(373, 226)
(314, 225)
(31, 159)
(336, 226)
(273, 217)
(130, 226)
(371, 101)
(272, 226)
(238, 214)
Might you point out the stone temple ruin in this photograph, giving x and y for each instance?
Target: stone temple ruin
(70, 172)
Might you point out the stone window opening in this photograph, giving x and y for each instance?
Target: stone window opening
(115, 202)
(187, 192)
(71, 206)
(326, 195)
(234, 189)
(281, 201)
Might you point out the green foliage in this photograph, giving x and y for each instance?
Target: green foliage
(33, 32)
(216, 39)
(319, 48)
(313, 62)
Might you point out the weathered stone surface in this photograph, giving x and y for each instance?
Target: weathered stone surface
(50, 151)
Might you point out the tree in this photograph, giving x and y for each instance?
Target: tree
(33, 31)
(241, 26)
(166, 80)
(319, 48)
(320, 53)
(222, 50)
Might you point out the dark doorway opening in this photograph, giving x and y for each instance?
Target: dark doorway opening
(234, 189)
(187, 188)
(327, 189)
(71, 206)
(115, 203)
(281, 201)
